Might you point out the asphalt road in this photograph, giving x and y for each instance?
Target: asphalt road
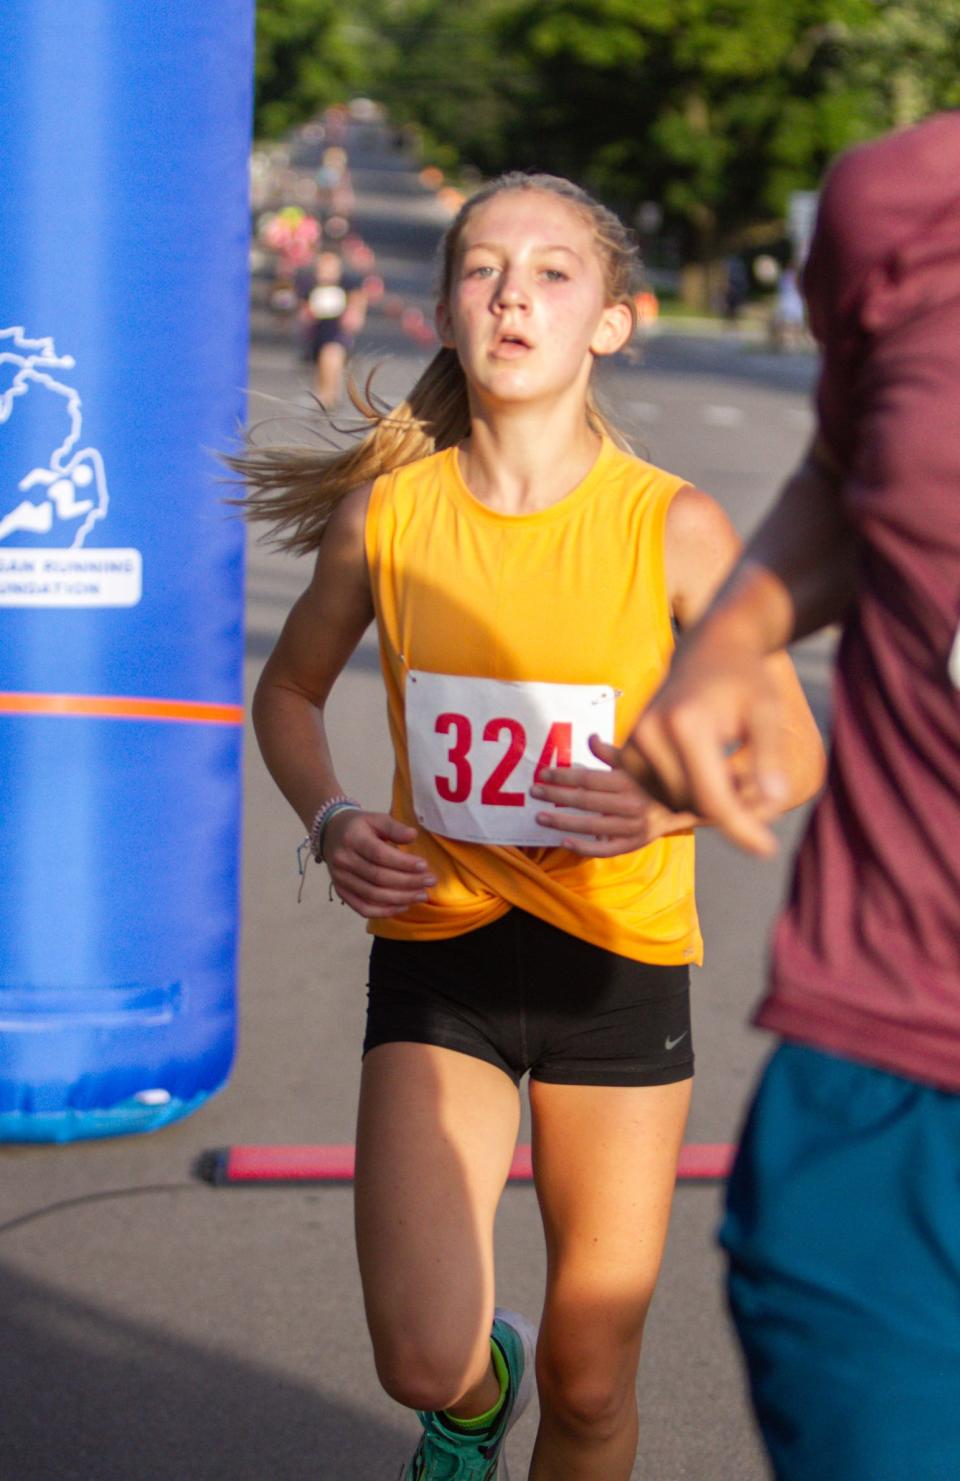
(160, 1330)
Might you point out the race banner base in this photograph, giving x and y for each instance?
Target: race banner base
(252, 1166)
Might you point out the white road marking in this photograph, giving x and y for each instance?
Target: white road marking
(645, 411)
(722, 416)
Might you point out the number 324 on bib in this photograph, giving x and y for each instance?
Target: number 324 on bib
(476, 745)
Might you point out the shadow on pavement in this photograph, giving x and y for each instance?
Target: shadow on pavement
(90, 1396)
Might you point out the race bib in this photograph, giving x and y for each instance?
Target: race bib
(327, 301)
(476, 745)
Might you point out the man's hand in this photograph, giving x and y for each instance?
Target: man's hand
(683, 747)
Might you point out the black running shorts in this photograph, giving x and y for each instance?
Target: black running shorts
(525, 996)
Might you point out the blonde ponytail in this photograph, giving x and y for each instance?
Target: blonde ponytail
(294, 489)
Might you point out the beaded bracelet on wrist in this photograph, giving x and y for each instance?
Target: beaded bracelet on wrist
(318, 827)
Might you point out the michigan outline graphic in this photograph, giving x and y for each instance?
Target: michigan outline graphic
(74, 481)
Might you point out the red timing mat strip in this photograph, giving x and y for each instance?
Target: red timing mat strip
(121, 707)
(704, 1161)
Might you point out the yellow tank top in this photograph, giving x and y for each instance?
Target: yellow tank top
(574, 594)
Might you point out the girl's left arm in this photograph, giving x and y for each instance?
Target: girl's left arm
(604, 812)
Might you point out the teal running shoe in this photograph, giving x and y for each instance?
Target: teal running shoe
(444, 1454)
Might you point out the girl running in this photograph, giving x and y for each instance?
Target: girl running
(532, 910)
(333, 308)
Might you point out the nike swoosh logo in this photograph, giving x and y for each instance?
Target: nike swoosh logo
(672, 1043)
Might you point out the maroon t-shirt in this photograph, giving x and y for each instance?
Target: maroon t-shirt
(867, 954)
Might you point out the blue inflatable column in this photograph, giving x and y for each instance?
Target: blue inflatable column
(123, 333)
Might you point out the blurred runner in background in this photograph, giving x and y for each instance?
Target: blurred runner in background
(333, 309)
(736, 288)
(843, 1219)
(788, 319)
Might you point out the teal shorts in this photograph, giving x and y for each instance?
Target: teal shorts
(842, 1230)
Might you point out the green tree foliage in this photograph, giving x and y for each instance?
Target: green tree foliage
(309, 54)
(714, 109)
(451, 78)
(908, 58)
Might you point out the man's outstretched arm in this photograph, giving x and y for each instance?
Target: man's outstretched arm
(796, 575)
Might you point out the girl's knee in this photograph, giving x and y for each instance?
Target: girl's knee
(425, 1373)
(588, 1390)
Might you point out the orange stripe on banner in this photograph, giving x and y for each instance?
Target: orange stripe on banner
(121, 707)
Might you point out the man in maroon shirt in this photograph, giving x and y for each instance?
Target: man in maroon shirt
(843, 1217)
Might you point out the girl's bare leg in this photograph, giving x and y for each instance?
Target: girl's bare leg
(605, 1162)
(435, 1139)
(328, 378)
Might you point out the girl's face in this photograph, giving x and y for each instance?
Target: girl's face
(527, 310)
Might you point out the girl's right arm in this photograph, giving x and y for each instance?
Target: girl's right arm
(370, 871)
